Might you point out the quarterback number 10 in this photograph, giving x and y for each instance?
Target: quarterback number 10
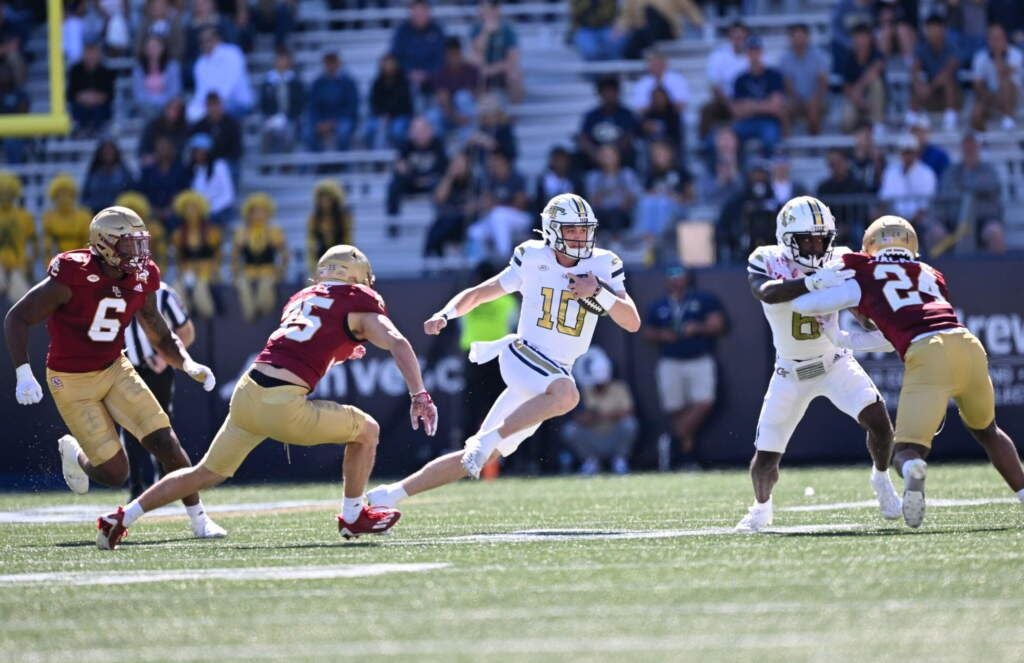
(545, 321)
(901, 291)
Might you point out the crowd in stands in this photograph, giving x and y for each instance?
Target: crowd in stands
(445, 101)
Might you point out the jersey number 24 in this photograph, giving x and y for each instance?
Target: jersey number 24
(901, 291)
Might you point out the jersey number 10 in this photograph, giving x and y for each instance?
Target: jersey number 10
(901, 291)
(546, 322)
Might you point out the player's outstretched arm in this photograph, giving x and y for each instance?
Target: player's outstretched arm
(777, 291)
(830, 300)
(463, 303)
(170, 346)
(34, 307)
(379, 330)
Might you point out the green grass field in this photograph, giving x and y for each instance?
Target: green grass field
(636, 568)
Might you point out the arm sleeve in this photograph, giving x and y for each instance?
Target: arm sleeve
(617, 274)
(510, 279)
(858, 341)
(829, 300)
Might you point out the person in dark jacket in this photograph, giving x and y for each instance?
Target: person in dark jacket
(418, 43)
(282, 100)
(390, 105)
(107, 177)
(333, 107)
(91, 91)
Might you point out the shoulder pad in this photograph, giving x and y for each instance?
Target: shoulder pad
(72, 267)
(855, 259)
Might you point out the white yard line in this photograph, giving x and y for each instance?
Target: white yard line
(244, 573)
(872, 504)
(83, 513)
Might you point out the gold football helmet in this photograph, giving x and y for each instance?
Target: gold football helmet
(343, 262)
(119, 236)
(890, 232)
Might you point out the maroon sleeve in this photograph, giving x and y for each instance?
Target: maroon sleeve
(66, 268)
(153, 280)
(368, 300)
(941, 280)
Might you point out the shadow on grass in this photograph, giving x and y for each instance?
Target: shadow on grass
(123, 544)
(308, 546)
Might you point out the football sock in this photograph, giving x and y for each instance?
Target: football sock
(907, 465)
(767, 503)
(132, 512)
(876, 473)
(1020, 494)
(195, 512)
(394, 493)
(351, 507)
(490, 439)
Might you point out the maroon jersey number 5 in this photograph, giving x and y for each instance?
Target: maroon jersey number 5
(298, 323)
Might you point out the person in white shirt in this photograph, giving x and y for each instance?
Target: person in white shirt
(998, 74)
(725, 64)
(659, 75)
(211, 178)
(907, 184)
(220, 69)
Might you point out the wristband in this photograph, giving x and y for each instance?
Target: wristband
(418, 394)
(606, 298)
(450, 313)
(24, 372)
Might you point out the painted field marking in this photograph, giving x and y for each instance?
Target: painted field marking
(87, 513)
(933, 502)
(236, 574)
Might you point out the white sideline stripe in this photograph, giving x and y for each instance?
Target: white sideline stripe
(525, 536)
(249, 573)
(940, 503)
(87, 513)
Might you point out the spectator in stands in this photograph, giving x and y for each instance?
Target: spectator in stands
(13, 101)
(604, 428)
(967, 20)
(78, 28)
(846, 195)
(659, 76)
(649, 21)
(170, 124)
(418, 43)
(221, 68)
(66, 224)
(907, 184)
(91, 91)
(976, 185)
(496, 51)
(276, 17)
(667, 190)
(867, 161)
(594, 32)
(11, 50)
(934, 74)
(162, 20)
(610, 123)
(156, 79)
(107, 176)
(211, 178)
(931, 154)
(725, 64)
(783, 186)
(759, 104)
(863, 82)
(503, 205)
(612, 191)
(805, 74)
(421, 163)
(390, 105)
(685, 324)
(163, 179)
(18, 241)
(137, 202)
(333, 107)
(205, 16)
(847, 16)
(282, 101)
(557, 178)
(748, 219)
(455, 88)
(1010, 15)
(455, 206)
(242, 25)
(494, 132)
(259, 258)
(329, 223)
(725, 179)
(226, 134)
(998, 74)
(116, 31)
(197, 251)
(660, 120)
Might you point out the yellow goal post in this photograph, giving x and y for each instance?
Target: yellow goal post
(57, 120)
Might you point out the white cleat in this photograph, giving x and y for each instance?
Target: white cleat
(758, 517)
(204, 528)
(914, 474)
(74, 475)
(889, 503)
(475, 456)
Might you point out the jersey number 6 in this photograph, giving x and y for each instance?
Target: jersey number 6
(546, 322)
(104, 329)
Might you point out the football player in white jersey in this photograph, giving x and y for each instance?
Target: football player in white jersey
(566, 283)
(813, 356)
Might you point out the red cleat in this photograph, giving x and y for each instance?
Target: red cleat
(371, 520)
(111, 530)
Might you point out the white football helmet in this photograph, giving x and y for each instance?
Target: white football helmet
(805, 215)
(568, 209)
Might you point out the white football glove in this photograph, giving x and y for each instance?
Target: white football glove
(200, 373)
(28, 391)
(827, 278)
